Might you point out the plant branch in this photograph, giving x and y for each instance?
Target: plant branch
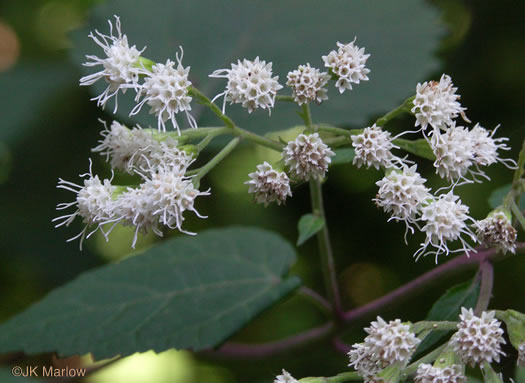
(316, 299)
(216, 160)
(430, 357)
(403, 108)
(487, 282)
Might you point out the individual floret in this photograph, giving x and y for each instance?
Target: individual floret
(94, 204)
(364, 361)
(445, 219)
(308, 84)
(436, 104)
(166, 91)
(402, 193)
(348, 64)
(121, 66)
(486, 147)
(250, 83)
(307, 157)
(269, 185)
(285, 378)
(497, 231)
(138, 149)
(478, 339)
(426, 373)
(373, 148)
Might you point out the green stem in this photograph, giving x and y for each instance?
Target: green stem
(335, 130)
(434, 326)
(205, 142)
(343, 377)
(403, 108)
(325, 249)
(428, 358)
(285, 98)
(307, 116)
(216, 160)
(517, 213)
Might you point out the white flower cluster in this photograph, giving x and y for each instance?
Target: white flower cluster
(269, 185)
(436, 103)
(135, 149)
(307, 157)
(250, 83)
(478, 339)
(164, 88)
(386, 343)
(285, 378)
(348, 64)
(497, 231)
(426, 373)
(373, 148)
(521, 355)
(308, 84)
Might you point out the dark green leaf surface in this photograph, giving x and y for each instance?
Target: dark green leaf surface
(400, 36)
(308, 226)
(448, 307)
(343, 156)
(186, 293)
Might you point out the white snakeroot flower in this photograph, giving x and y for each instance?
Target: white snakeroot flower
(250, 83)
(373, 148)
(445, 219)
(454, 151)
(436, 104)
(364, 361)
(121, 65)
(269, 185)
(308, 84)
(166, 91)
(348, 63)
(521, 355)
(497, 231)
(478, 339)
(307, 157)
(285, 378)
(138, 149)
(402, 193)
(94, 204)
(426, 373)
(486, 147)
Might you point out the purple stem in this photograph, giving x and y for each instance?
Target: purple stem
(315, 297)
(487, 282)
(340, 346)
(262, 350)
(453, 266)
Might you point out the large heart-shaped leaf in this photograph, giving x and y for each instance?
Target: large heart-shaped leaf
(188, 292)
(400, 36)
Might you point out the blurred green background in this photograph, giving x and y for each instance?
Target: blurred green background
(49, 126)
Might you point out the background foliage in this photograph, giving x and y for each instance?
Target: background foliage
(49, 125)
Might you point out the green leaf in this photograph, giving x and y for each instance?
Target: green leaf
(186, 293)
(497, 196)
(448, 308)
(401, 37)
(419, 147)
(308, 226)
(343, 156)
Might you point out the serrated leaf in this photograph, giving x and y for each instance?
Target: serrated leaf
(186, 293)
(308, 226)
(448, 308)
(343, 156)
(400, 36)
(497, 196)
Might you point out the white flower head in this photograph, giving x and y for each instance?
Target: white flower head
(166, 91)
(445, 219)
(436, 104)
(269, 185)
(94, 204)
(426, 373)
(486, 147)
(308, 84)
(364, 361)
(521, 355)
(161, 200)
(137, 149)
(454, 151)
(373, 148)
(402, 194)
(348, 63)
(391, 342)
(120, 67)
(307, 157)
(285, 378)
(478, 339)
(250, 83)
(497, 231)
